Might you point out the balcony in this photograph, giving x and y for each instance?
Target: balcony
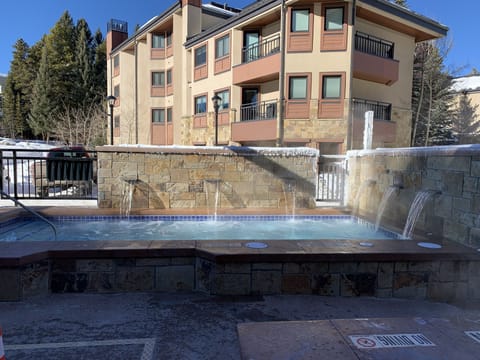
(258, 122)
(384, 130)
(381, 111)
(373, 60)
(260, 62)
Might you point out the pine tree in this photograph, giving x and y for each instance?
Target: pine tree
(61, 48)
(43, 100)
(431, 98)
(84, 63)
(466, 123)
(17, 92)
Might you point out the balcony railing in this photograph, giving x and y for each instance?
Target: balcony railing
(264, 110)
(381, 111)
(373, 45)
(260, 50)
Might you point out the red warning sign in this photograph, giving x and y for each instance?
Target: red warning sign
(379, 341)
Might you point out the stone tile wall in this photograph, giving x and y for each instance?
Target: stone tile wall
(452, 280)
(174, 178)
(454, 171)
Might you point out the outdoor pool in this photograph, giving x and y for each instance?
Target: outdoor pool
(194, 227)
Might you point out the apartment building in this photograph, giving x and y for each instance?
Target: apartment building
(291, 73)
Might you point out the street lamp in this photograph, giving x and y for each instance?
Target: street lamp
(216, 105)
(111, 102)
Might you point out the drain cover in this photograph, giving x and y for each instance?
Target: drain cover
(429, 245)
(256, 245)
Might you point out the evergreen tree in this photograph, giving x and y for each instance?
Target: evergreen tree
(466, 123)
(43, 100)
(61, 51)
(85, 54)
(17, 92)
(431, 98)
(100, 66)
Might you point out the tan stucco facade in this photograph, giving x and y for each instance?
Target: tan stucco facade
(364, 59)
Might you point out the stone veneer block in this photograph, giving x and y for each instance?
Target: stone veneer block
(10, 288)
(385, 276)
(101, 282)
(326, 284)
(266, 282)
(181, 173)
(296, 284)
(232, 284)
(358, 284)
(94, 265)
(175, 278)
(35, 279)
(134, 279)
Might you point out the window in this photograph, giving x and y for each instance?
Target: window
(300, 20)
(334, 18)
(169, 114)
(116, 61)
(169, 39)
(116, 121)
(158, 78)
(201, 55)
(201, 104)
(116, 91)
(297, 87)
(225, 102)
(158, 115)
(222, 46)
(331, 87)
(169, 76)
(158, 41)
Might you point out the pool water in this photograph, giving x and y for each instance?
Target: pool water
(195, 228)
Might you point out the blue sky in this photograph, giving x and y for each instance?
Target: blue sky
(30, 19)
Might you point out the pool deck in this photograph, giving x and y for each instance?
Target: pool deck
(153, 325)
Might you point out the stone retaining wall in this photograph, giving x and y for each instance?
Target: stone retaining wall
(439, 280)
(189, 177)
(453, 171)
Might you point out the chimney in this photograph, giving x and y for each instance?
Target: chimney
(192, 17)
(117, 32)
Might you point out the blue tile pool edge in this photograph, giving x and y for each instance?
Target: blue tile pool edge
(62, 218)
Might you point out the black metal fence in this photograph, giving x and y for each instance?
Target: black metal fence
(381, 111)
(374, 46)
(265, 110)
(260, 50)
(331, 178)
(60, 173)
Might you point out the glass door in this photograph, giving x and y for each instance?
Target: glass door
(250, 46)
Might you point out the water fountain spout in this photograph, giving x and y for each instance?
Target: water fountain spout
(384, 202)
(129, 183)
(289, 187)
(363, 186)
(216, 183)
(416, 208)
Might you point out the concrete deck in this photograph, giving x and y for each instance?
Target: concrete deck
(151, 326)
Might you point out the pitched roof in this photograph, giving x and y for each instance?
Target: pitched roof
(466, 83)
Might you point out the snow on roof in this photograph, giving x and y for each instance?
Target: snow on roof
(218, 9)
(466, 83)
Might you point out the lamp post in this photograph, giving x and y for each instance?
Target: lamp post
(111, 102)
(216, 105)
